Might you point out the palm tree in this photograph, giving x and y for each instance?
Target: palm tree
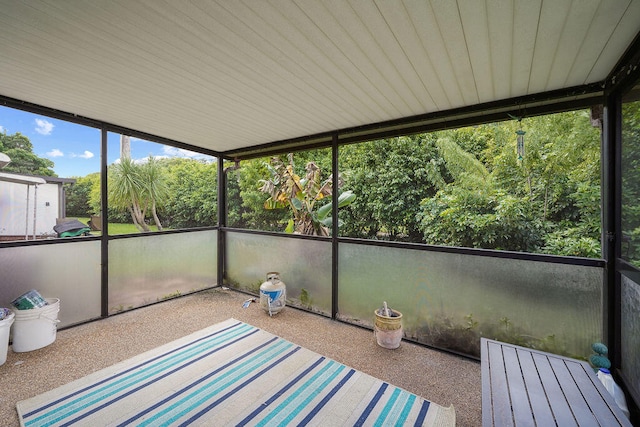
(137, 188)
(156, 189)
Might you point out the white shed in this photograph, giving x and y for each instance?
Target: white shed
(29, 205)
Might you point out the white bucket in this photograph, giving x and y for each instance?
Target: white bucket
(5, 326)
(36, 328)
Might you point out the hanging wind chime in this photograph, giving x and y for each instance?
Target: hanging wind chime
(520, 141)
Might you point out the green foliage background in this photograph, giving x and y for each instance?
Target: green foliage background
(631, 181)
(466, 188)
(462, 187)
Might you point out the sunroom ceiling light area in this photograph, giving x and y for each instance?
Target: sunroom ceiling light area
(224, 75)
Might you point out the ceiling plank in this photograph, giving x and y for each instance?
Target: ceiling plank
(553, 16)
(526, 22)
(426, 25)
(569, 44)
(475, 21)
(452, 35)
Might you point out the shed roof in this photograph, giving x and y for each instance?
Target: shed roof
(21, 179)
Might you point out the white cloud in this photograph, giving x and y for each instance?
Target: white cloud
(55, 153)
(85, 155)
(2, 129)
(171, 153)
(181, 152)
(44, 127)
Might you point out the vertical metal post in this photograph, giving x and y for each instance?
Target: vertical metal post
(26, 216)
(334, 228)
(35, 209)
(611, 220)
(62, 201)
(222, 219)
(104, 241)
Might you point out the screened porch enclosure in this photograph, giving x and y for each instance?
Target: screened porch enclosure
(240, 81)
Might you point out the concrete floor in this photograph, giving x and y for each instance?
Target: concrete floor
(439, 377)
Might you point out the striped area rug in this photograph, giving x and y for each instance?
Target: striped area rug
(230, 374)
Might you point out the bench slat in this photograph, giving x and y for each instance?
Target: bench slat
(559, 405)
(578, 405)
(540, 406)
(519, 398)
(500, 400)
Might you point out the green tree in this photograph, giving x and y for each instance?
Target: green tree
(23, 159)
(115, 214)
(391, 177)
(138, 188)
(78, 196)
(548, 202)
(461, 187)
(561, 175)
(192, 193)
(471, 211)
(245, 201)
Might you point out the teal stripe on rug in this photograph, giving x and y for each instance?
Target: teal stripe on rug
(397, 408)
(387, 408)
(247, 382)
(411, 399)
(162, 403)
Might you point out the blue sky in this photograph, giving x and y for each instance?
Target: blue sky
(75, 149)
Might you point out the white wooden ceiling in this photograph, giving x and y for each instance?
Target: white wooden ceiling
(227, 74)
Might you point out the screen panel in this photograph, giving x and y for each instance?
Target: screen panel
(451, 300)
(304, 266)
(147, 269)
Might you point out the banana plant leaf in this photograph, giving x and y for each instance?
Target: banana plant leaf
(274, 204)
(290, 227)
(344, 199)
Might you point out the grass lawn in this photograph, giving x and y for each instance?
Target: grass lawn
(118, 228)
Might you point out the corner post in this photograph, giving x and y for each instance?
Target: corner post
(612, 232)
(222, 219)
(104, 239)
(334, 229)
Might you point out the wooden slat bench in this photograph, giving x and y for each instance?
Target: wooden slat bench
(524, 387)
